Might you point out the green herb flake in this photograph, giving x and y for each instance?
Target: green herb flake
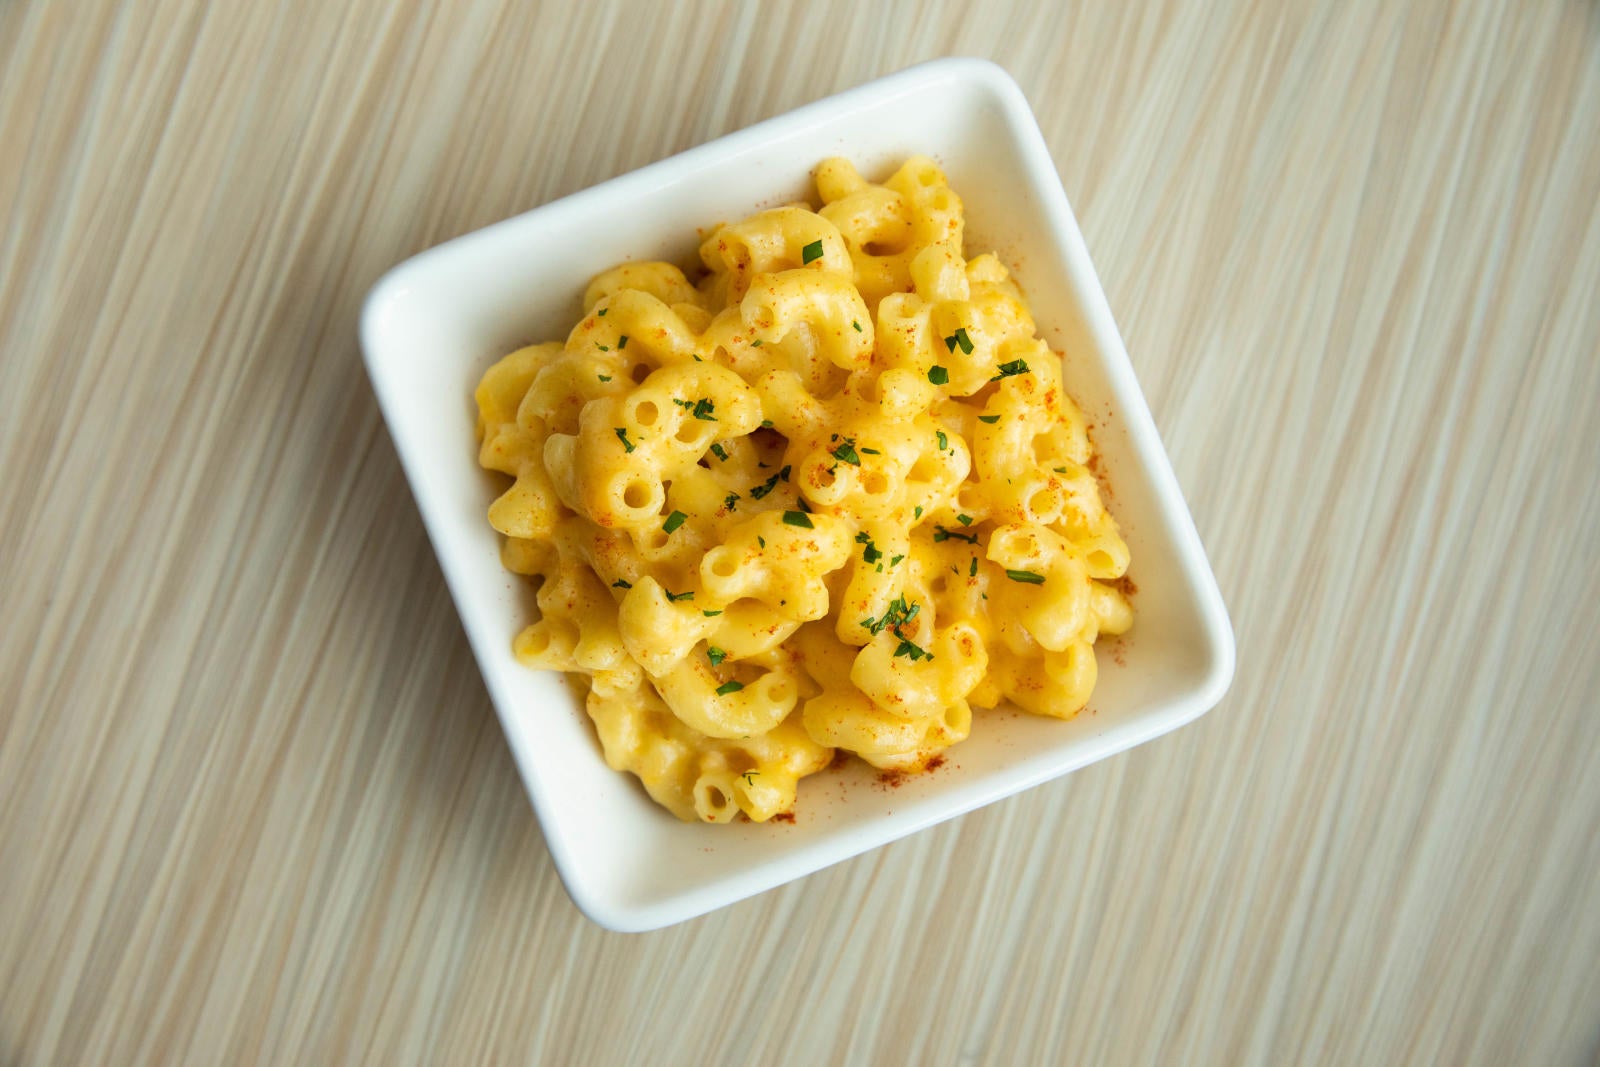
(605, 348)
(913, 650)
(747, 775)
(715, 655)
(944, 442)
(811, 251)
(965, 520)
(990, 419)
(622, 342)
(708, 613)
(798, 518)
(675, 520)
(756, 343)
(766, 424)
(964, 341)
(703, 409)
(1025, 577)
(1059, 470)
(622, 435)
(942, 534)
(602, 312)
(671, 596)
(604, 377)
(894, 561)
(729, 687)
(972, 572)
(620, 584)
(762, 541)
(720, 452)
(870, 452)
(871, 554)
(950, 343)
(896, 615)
(759, 491)
(938, 375)
(1015, 366)
(846, 453)
(730, 501)
(856, 324)
(684, 404)
(916, 512)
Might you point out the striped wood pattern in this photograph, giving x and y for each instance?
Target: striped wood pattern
(254, 804)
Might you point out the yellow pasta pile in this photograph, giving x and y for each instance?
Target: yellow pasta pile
(831, 496)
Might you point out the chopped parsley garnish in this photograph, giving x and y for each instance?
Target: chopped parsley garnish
(944, 442)
(894, 560)
(685, 404)
(622, 435)
(797, 518)
(917, 511)
(620, 584)
(938, 375)
(1025, 577)
(766, 423)
(856, 324)
(950, 343)
(1015, 366)
(941, 534)
(756, 343)
(730, 501)
(870, 554)
(757, 492)
(605, 348)
(1059, 470)
(604, 377)
(708, 613)
(622, 342)
(965, 520)
(963, 340)
(870, 452)
(762, 541)
(715, 655)
(729, 687)
(973, 571)
(898, 613)
(912, 649)
(675, 520)
(846, 453)
(703, 409)
(603, 312)
(671, 596)
(720, 452)
(811, 251)
(990, 419)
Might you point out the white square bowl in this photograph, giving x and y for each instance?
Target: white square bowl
(433, 324)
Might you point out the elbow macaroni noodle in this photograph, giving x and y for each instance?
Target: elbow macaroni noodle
(831, 496)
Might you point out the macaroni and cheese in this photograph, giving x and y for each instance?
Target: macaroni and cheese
(830, 495)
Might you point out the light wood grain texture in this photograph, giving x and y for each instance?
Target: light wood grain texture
(254, 803)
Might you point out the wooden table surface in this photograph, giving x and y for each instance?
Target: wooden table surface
(254, 802)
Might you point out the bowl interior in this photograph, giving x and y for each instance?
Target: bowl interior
(439, 320)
